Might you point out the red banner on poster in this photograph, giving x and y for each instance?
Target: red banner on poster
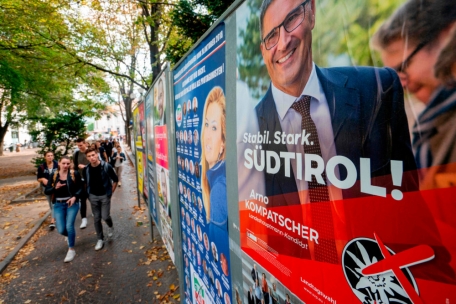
(161, 146)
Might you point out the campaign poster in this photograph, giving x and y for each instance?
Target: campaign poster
(142, 126)
(200, 105)
(346, 172)
(139, 148)
(162, 163)
(150, 148)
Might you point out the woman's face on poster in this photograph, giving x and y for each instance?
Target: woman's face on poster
(212, 142)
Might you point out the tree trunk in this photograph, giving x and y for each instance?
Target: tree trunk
(3, 130)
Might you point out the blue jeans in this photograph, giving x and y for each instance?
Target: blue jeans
(65, 217)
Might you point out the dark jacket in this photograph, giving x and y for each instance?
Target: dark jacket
(74, 186)
(368, 120)
(113, 158)
(107, 174)
(43, 170)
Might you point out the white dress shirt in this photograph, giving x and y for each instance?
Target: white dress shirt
(290, 121)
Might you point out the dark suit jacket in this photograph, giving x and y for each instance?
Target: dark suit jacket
(368, 120)
(254, 275)
(250, 297)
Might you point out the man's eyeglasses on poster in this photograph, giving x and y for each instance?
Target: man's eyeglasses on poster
(291, 22)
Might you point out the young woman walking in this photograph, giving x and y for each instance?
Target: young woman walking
(65, 187)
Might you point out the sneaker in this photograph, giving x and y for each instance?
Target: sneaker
(51, 226)
(83, 223)
(110, 231)
(70, 256)
(99, 245)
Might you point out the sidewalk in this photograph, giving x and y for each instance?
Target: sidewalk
(129, 269)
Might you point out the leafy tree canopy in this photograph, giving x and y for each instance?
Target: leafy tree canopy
(58, 134)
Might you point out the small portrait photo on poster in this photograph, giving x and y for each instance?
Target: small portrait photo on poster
(197, 170)
(206, 241)
(218, 287)
(214, 252)
(195, 137)
(159, 102)
(195, 105)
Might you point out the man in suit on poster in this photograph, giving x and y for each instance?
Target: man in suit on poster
(358, 112)
(354, 112)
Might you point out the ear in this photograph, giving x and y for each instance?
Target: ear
(312, 13)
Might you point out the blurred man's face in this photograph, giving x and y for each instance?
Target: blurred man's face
(289, 62)
(92, 157)
(82, 146)
(417, 76)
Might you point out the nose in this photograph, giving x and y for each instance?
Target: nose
(284, 39)
(403, 79)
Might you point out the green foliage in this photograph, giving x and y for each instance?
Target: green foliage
(38, 78)
(192, 18)
(250, 62)
(58, 134)
(91, 127)
(344, 28)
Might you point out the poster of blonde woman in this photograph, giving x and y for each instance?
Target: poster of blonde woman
(200, 103)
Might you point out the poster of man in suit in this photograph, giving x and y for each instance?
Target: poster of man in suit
(327, 179)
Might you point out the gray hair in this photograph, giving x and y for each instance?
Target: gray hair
(263, 8)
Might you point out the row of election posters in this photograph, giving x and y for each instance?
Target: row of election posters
(150, 129)
(200, 115)
(304, 174)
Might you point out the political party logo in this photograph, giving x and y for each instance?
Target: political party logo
(179, 115)
(199, 290)
(377, 275)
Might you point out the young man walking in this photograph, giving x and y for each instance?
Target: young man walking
(101, 182)
(80, 161)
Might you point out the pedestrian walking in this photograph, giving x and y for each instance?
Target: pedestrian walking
(45, 171)
(80, 161)
(118, 157)
(101, 182)
(108, 147)
(65, 187)
(101, 150)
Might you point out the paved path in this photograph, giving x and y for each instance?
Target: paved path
(116, 274)
(17, 180)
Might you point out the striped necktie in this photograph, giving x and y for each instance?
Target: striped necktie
(322, 221)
